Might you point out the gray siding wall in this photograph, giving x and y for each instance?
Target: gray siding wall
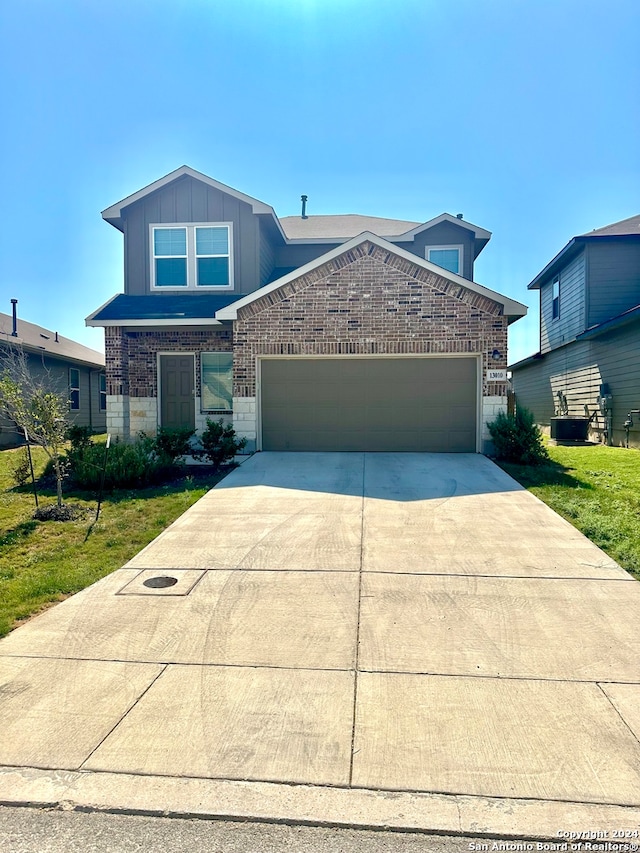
(571, 322)
(57, 373)
(445, 234)
(187, 200)
(614, 279)
(578, 370)
(267, 259)
(297, 255)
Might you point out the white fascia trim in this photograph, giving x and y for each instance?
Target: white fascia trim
(113, 213)
(192, 321)
(480, 233)
(511, 307)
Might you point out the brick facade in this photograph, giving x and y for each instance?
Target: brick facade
(132, 355)
(368, 301)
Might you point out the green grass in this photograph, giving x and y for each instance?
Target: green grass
(597, 489)
(44, 562)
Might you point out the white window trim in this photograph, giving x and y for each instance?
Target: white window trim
(459, 247)
(204, 410)
(191, 257)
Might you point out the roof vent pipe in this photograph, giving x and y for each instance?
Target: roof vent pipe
(57, 339)
(459, 216)
(303, 199)
(14, 333)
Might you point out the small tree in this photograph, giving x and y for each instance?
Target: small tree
(517, 438)
(37, 407)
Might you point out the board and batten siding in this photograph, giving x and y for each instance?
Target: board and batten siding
(267, 260)
(614, 279)
(571, 322)
(183, 201)
(578, 370)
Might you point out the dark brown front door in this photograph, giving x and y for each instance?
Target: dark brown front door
(177, 391)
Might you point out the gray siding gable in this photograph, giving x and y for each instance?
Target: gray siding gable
(188, 200)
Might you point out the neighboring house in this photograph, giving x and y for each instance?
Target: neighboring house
(308, 333)
(589, 357)
(72, 368)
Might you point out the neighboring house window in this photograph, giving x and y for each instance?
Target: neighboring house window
(74, 389)
(103, 392)
(555, 298)
(191, 256)
(217, 381)
(448, 257)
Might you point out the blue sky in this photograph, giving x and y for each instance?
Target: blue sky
(523, 116)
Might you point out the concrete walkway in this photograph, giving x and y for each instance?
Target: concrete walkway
(404, 640)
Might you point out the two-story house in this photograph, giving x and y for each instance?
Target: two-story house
(589, 358)
(67, 367)
(307, 332)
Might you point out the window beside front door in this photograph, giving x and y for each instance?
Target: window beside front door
(217, 381)
(191, 257)
(447, 257)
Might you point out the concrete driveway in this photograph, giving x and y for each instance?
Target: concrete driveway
(405, 640)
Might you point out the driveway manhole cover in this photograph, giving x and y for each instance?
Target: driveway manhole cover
(160, 582)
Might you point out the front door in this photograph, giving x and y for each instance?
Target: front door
(177, 391)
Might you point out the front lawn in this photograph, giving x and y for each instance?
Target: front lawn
(45, 561)
(597, 489)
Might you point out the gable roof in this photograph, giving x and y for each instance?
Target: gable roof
(311, 229)
(626, 229)
(113, 214)
(625, 226)
(342, 226)
(330, 229)
(33, 338)
(512, 309)
(167, 309)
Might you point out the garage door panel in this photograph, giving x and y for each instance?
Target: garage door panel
(374, 404)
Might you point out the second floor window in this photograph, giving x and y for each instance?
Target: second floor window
(191, 256)
(448, 257)
(74, 389)
(555, 298)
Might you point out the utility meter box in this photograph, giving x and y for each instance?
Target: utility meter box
(605, 401)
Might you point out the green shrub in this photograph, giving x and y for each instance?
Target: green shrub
(517, 438)
(128, 465)
(20, 467)
(174, 443)
(219, 444)
(79, 437)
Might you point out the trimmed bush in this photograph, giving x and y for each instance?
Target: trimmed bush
(173, 443)
(517, 438)
(219, 444)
